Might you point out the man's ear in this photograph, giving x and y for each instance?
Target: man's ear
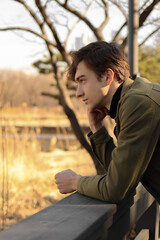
(109, 76)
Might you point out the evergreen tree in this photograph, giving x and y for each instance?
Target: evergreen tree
(149, 63)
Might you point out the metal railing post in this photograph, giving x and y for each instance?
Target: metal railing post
(133, 24)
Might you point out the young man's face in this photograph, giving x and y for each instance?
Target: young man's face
(90, 89)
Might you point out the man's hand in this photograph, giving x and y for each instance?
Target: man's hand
(67, 181)
(96, 117)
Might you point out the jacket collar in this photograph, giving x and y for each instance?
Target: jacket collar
(120, 91)
(127, 84)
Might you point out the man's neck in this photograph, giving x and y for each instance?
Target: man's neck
(113, 88)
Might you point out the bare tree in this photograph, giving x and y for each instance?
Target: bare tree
(18, 88)
(51, 15)
(8, 87)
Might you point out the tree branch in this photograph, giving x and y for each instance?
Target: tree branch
(146, 12)
(156, 30)
(66, 56)
(143, 17)
(51, 95)
(118, 32)
(104, 23)
(31, 31)
(98, 3)
(97, 33)
(119, 6)
(37, 20)
(76, 23)
(31, 12)
(143, 5)
(153, 21)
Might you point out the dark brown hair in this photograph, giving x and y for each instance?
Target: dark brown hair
(99, 56)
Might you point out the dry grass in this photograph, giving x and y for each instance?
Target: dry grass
(27, 174)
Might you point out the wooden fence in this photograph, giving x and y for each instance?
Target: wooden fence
(78, 217)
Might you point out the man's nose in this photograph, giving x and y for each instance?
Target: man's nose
(79, 92)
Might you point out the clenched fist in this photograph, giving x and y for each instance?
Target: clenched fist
(67, 181)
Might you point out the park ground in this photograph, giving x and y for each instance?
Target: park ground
(27, 176)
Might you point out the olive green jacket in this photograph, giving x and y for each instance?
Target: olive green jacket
(136, 156)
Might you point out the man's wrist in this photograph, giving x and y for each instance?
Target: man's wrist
(96, 128)
(75, 182)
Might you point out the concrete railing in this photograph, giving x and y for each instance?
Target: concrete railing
(78, 217)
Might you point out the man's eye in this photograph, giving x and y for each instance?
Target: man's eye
(82, 80)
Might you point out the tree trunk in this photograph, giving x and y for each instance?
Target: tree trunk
(68, 109)
(80, 136)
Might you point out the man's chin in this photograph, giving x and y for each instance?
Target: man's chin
(92, 108)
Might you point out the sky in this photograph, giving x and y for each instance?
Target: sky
(19, 53)
(16, 52)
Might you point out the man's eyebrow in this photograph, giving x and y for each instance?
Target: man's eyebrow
(77, 78)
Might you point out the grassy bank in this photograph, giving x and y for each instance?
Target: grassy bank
(27, 174)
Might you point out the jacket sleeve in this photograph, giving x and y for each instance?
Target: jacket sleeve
(130, 158)
(100, 141)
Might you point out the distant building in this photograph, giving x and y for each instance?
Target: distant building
(83, 40)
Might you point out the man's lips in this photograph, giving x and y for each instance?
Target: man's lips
(85, 101)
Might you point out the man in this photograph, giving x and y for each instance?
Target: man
(101, 72)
